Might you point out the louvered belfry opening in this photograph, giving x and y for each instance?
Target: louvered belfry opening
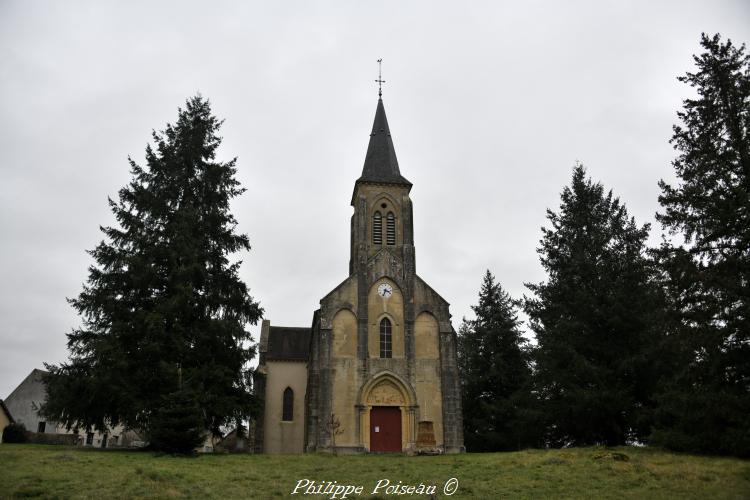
(391, 229)
(377, 229)
(386, 350)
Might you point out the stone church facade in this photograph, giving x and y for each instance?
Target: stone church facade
(377, 370)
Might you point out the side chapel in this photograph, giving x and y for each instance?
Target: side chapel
(377, 370)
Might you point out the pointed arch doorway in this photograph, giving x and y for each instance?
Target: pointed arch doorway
(387, 411)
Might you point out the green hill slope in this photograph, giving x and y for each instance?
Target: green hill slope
(59, 472)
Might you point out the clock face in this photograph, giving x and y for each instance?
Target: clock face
(385, 290)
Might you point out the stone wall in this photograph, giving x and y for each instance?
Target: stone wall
(284, 436)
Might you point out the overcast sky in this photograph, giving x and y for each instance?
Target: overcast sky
(490, 105)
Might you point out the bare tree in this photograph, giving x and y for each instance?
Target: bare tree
(333, 428)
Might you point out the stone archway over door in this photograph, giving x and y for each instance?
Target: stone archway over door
(385, 428)
(387, 414)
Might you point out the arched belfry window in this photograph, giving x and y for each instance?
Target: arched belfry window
(377, 229)
(288, 407)
(390, 229)
(386, 342)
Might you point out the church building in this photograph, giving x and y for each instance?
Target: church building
(377, 370)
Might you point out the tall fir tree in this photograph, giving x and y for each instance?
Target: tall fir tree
(164, 311)
(705, 407)
(496, 377)
(596, 321)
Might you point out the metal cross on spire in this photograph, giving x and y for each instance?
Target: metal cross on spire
(380, 80)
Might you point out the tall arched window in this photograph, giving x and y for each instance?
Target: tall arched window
(377, 229)
(386, 350)
(390, 229)
(288, 407)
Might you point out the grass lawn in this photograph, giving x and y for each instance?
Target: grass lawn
(62, 472)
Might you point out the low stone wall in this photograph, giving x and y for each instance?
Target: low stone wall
(43, 438)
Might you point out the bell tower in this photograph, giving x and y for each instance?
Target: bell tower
(382, 359)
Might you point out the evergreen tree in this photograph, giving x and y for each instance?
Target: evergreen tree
(177, 425)
(164, 311)
(705, 408)
(494, 363)
(596, 321)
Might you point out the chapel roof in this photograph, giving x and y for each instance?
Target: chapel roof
(288, 343)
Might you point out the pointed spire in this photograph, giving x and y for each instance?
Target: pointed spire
(381, 164)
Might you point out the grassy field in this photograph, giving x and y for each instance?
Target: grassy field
(58, 472)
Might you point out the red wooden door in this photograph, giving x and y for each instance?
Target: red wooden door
(385, 428)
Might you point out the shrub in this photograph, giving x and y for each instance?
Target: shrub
(15, 433)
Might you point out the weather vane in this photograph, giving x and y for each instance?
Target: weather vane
(380, 80)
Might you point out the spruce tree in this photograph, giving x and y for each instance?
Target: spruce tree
(177, 426)
(164, 311)
(705, 407)
(496, 377)
(596, 320)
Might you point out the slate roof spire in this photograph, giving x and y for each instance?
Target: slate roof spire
(381, 165)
